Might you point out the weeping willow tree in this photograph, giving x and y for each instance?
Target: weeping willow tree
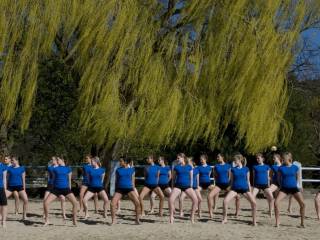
(157, 72)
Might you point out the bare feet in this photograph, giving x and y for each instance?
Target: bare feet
(171, 220)
(224, 221)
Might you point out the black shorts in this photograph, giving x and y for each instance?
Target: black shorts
(222, 186)
(183, 188)
(15, 188)
(261, 186)
(124, 191)
(240, 191)
(85, 184)
(276, 184)
(163, 186)
(3, 197)
(49, 187)
(289, 190)
(194, 188)
(61, 191)
(151, 186)
(95, 189)
(205, 186)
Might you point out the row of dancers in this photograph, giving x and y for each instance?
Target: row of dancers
(182, 179)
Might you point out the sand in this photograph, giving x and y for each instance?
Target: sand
(154, 227)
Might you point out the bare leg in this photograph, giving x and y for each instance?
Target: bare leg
(119, 206)
(173, 196)
(199, 198)
(230, 195)
(181, 200)
(105, 199)
(215, 202)
(96, 201)
(211, 197)
(290, 204)
(74, 203)
(134, 198)
(317, 204)
(192, 195)
(51, 197)
(298, 196)
(152, 201)
(16, 202)
(24, 198)
(159, 192)
(279, 198)
(3, 211)
(237, 202)
(143, 193)
(86, 198)
(253, 203)
(114, 204)
(83, 190)
(63, 206)
(270, 199)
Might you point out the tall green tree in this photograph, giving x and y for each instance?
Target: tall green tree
(154, 73)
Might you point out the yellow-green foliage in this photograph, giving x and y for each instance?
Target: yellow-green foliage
(141, 82)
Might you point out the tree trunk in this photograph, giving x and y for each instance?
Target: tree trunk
(107, 154)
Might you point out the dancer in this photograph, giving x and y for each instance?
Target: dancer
(274, 187)
(151, 176)
(3, 197)
(95, 180)
(182, 178)
(54, 163)
(61, 186)
(240, 184)
(288, 178)
(299, 185)
(84, 186)
(125, 184)
(17, 183)
(164, 180)
(7, 162)
(261, 181)
(204, 178)
(195, 186)
(221, 173)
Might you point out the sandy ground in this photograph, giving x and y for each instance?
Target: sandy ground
(154, 227)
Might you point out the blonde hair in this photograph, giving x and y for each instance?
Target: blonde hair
(190, 161)
(97, 161)
(240, 157)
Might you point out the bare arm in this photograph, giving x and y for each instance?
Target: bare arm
(248, 179)
(252, 178)
(134, 180)
(102, 178)
(5, 180)
(170, 175)
(69, 175)
(191, 178)
(24, 180)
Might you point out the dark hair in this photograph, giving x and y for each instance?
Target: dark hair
(151, 156)
(259, 155)
(161, 158)
(204, 156)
